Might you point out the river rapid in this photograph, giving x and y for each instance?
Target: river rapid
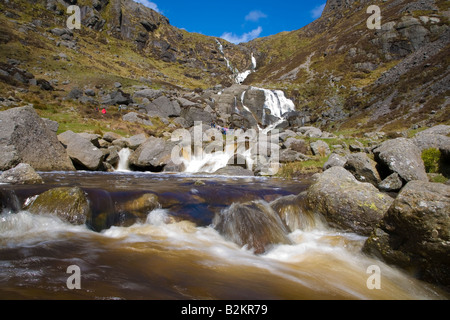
(175, 253)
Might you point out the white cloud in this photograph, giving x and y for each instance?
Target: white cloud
(148, 4)
(317, 11)
(255, 16)
(233, 38)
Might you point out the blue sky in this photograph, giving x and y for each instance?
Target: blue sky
(238, 20)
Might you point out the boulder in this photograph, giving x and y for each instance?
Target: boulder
(294, 213)
(392, 183)
(401, 156)
(254, 225)
(194, 114)
(140, 207)
(288, 155)
(69, 204)
(111, 136)
(320, 148)
(426, 141)
(25, 138)
(134, 117)
(335, 160)
(415, 233)
(82, 152)
(235, 171)
(363, 168)
(21, 174)
(311, 132)
(346, 202)
(298, 145)
(153, 155)
(150, 94)
(116, 98)
(163, 107)
(132, 143)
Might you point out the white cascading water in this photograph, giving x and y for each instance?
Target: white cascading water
(124, 165)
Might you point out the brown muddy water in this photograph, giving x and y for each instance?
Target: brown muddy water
(182, 258)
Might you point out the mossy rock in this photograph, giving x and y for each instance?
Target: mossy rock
(70, 204)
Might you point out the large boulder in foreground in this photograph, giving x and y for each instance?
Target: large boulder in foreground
(21, 174)
(415, 233)
(254, 225)
(68, 204)
(25, 138)
(401, 156)
(347, 203)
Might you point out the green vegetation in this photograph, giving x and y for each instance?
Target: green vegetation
(431, 159)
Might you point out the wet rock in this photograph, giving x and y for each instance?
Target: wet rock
(24, 137)
(347, 203)
(294, 213)
(363, 168)
(236, 171)
(69, 204)
(403, 157)
(254, 225)
(139, 208)
(82, 152)
(21, 174)
(415, 233)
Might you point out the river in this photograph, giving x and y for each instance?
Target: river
(175, 253)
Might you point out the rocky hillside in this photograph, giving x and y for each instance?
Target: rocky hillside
(341, 75)
(119, 39)
(347, 76)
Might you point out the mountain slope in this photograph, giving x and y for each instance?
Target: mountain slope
(345, 75)
(118, 39)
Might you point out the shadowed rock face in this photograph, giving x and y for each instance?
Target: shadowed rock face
(254, 225)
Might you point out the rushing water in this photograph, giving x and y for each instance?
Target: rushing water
(182, 258)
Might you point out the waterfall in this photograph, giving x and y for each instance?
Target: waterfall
(124, 156)
(239, 77)
(277, 103)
